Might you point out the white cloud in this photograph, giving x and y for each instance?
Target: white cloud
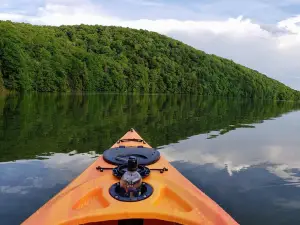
(244, 41)
(291, 24)
(11, 16)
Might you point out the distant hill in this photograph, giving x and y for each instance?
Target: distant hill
(114, 59)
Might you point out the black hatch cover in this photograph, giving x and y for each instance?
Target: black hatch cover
(119, 156)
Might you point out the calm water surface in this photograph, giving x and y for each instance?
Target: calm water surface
(243, 154)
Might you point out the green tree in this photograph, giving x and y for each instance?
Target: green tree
(115, 59)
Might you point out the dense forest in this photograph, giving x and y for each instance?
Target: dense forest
(115, 59)
(34, 124)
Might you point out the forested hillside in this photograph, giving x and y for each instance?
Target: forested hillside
(114, 59)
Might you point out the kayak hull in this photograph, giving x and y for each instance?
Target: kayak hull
(86, 200)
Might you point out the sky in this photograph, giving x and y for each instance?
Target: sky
(263, 35)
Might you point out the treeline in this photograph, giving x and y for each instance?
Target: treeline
(31, 125)
(114, 59)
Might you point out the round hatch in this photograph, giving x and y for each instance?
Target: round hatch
(120, 156)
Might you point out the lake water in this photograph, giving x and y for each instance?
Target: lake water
(244, 154)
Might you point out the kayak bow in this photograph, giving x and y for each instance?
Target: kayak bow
(131, 183)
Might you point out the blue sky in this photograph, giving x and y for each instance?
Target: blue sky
(264, 11)
(268, 11)
(261, 34)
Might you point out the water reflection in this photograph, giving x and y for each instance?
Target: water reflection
(31, 125)
(275, 142)
(25, 185)
(243, 154)
(253, 173)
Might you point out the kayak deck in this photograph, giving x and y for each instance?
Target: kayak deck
(86, 200)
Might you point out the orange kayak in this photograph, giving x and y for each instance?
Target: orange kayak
(131, 183)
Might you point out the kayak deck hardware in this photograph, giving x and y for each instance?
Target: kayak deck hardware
(118, 193)
(131, 188)
(120, 156)
(131, 139)
(101, 169)
(119, 170)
